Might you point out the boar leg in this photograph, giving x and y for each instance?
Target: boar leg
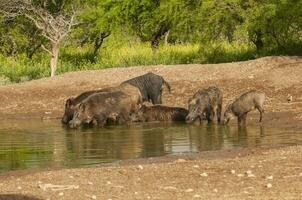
(209, 117)
(123, 117)
(158, 99)
(213, 113)
(94, 123)
(218, 112)
(210, 114)
(261, 111)
(101, 121)
(200, 120)
(242, 119)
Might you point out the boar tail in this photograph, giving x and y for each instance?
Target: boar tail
(167, 85)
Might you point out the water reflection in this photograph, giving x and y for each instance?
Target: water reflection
(31, 144)
(242, 136)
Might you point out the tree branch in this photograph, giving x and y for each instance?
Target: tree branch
(45, 49)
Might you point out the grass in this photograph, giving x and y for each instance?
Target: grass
(134, 55)
(224, 52)
(20, 68)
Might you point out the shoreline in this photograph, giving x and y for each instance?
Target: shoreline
(236, 174)
(203, 155)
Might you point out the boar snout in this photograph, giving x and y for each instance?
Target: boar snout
(190, 119)
(74, 124)
(134, 117)
(227, 117)
(226, 121)
(64, 120)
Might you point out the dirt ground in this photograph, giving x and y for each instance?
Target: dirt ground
(276, 76)
(249, 174)
(246, 174)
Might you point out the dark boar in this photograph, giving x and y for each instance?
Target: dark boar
(159, 113)
(150, 86)
(71, 103)
(100, 107)
(205, 104)
(245, 103)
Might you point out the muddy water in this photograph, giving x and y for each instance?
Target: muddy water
(38, 144)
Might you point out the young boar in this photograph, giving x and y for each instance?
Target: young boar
(159, 113)
(205, 104)
(245, 103)
(100, 107)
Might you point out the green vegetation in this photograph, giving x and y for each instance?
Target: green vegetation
(101, 34)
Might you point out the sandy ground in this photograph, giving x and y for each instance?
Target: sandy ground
(258, 173)
(252, 174)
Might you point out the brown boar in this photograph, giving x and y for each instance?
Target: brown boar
(71, 103)
(159, 113)
(243, 105)
(100, 107)
(205, 104)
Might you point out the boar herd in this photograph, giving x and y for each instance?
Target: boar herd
(124, 103)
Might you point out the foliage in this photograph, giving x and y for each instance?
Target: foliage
(123, 33)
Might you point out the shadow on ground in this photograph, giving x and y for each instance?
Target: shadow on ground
(17, 197)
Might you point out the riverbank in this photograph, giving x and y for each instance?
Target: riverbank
(247, 174)
(236, 174)
(278, 77)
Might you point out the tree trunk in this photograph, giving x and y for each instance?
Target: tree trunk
(12, 51)
(157, 35)
(167, 38)
(99, 41)
(32, 51)
(54, 58)
(257, 40)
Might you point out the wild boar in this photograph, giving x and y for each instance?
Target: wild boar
(99, 107)
(205, 104)
(242, 105)
(159, 113)
(150, 86)
(71, 103)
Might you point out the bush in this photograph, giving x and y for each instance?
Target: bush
(223, 52)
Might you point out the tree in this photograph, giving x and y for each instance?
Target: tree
(183, 18)
(273, 25)
(49, 17)
(19, 36)
(96, 25)
(220, 19)
(143, 18)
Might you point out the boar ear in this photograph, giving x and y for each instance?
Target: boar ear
(194, 101)
(82, 107)
(69, 102)
(139, 106)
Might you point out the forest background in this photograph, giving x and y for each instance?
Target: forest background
(40, 38)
